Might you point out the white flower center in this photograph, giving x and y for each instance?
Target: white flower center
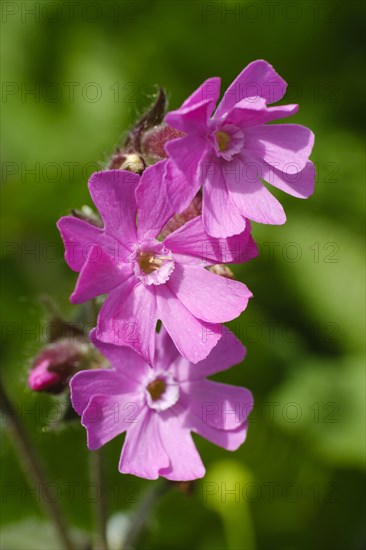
(228, 140)
(162, 391)
(154, 264)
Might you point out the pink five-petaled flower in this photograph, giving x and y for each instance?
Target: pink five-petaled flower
(229, 152)
(159, 407)
(147, 279)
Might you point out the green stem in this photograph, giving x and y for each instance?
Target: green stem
(142, 513)
(33, 467)
(100, 509)
(96, 469)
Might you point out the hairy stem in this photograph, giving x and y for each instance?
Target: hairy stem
(100, 509)
(33, 467)
(142, 513)
(96, 470)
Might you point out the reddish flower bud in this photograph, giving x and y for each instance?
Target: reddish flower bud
(154, 140)
(57, 362)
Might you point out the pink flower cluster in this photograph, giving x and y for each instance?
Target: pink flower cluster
(156, 388)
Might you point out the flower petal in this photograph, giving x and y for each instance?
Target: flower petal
(143, 454)
(229, 351)
(254, 111)
(251, 197)
(185, 462)
(128, 318)
(99, 275)
(285, 146)
(207, 296)
(193, 338)
(193, 115)
(166, 351)
(113, 193)
(79, 237)
(230, 440)
(107, 416)
(221, 406)
(180, 190)
(300, 185)
(187, 154)
(221, 218)
(209, 90)
(122, 358)
(193, 240)
(257, 79)
(191, 120)
(85, 384)
(151, 195)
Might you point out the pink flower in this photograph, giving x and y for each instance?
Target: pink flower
(160, 407)
(147, 279)
(228, 153)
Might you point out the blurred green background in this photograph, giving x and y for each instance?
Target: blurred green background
(75, 76)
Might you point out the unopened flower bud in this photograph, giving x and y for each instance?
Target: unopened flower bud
(221, 269)
(57, 362)
(154, 140)
(129, 155)
(88, 215)
(130, 161)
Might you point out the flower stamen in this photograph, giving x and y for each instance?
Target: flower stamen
(156, 388)
(223, 140)
(153, 263)
(149, 263)
(161, 391)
